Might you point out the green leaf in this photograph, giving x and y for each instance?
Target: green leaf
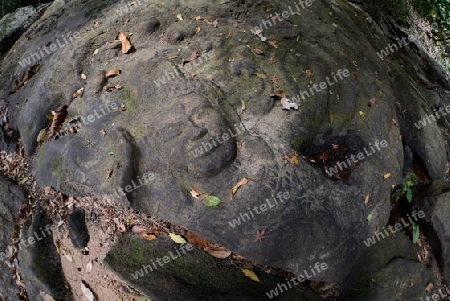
(111, 153)
(211, 201)
(369, 217)
(409, 195)
(416, 232)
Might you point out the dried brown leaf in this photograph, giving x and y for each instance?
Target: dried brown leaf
(257, 51)
(308, 73)
(242, 182)
(218, 252)
(371, 102)
(58, 120)
(196, 240)
(27, 76)
(195, 194)
(191, 57)
(126, 45)
(147, 236)
(112, 73)
(278, 93)
(273, 44)
(294, 159)
(367, 199)
(139, 229)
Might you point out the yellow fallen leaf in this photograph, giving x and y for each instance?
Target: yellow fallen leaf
(195, 194)
(386, 175)
(251, 275)
(95, 52)
(112, 73)
(261, 75)
(66, 253)
(361, 113)
(42, 134)
(180, 17)
(429, 287)
(177, 238)
(367, 199)
(24, 180)
(243, 181)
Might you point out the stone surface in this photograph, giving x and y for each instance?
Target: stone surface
(168, 117)
(186, 273)
(441, 224)
(168, 124)
(11, 199)
(13, 25)
(78, 232)
(388, 270)
(40, 263)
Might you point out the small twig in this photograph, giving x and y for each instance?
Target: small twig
(254, 179)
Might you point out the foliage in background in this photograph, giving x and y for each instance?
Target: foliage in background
(407, 184)
(406, 190)
(435, 11)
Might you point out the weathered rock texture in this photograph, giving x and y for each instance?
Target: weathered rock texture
(11, 199)
(40, 263)
(169, 121)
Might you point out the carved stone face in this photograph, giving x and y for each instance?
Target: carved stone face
(185, 130)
